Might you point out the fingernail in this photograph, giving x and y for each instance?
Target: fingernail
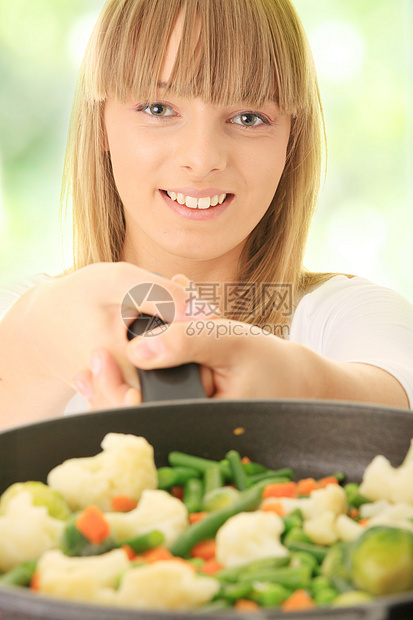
(181, 279)
(96, 363)
(147, 349)
(83, 388)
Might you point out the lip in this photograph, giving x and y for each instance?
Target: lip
(197, 193)
(196, 214)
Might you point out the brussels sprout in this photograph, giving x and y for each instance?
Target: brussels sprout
(220, 498)
(337, 562)
(350, 599)
(382, 560)
(42, 495)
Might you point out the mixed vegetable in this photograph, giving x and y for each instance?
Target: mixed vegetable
(200, 534)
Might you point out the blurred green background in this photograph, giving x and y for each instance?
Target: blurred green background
(364, 55)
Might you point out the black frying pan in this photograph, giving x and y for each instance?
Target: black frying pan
(315, 438)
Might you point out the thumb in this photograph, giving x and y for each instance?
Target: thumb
(213, 343)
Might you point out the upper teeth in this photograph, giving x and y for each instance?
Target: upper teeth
(197, 203)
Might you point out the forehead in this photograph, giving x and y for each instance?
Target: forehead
(223, 51)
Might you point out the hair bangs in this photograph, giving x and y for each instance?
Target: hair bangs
(230, 51)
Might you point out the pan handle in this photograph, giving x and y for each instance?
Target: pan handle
(176, 383)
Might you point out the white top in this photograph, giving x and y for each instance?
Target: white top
(345, 319)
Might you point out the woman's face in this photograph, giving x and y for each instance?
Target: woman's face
(183, 150)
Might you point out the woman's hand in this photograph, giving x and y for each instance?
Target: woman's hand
(241, 361)
(237, 361)
(49, 334)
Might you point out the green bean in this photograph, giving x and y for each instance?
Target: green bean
(20, 575)
(303, 558)
(212, 479)
(177, 459)
(147, 541)
(220, 498)
(234, 591)
(238, 473)
(175, 476)
(320, 583)
(293, 520)
(298, 577)
(270, 476)
(208, 527)
(317, 551)
(270, 594)
(251, 469)
(326, 596)
(341, 584)
(218, 605)
(193, 494)
(296, 534)
(354, 498)
(233, 574)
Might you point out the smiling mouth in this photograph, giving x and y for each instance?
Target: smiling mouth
(198, 203)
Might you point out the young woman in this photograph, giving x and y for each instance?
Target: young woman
(195, 148)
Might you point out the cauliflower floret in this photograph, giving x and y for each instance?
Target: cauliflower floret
(81, 579)
(332, 497)
(162, 585)
(26, 531)
(396, 515)
(347, 529)
(156, 510)
(125, 467)
(321, 528)
(249, 536)
(383, 481)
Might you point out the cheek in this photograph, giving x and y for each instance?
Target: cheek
(134, 162)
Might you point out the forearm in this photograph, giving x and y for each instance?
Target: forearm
(27, 392)
(360, 382)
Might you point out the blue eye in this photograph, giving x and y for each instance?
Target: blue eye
(249, 119)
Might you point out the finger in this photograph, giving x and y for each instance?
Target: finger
(207, 379)
(83, 383)
(217, 346)
(109, 388)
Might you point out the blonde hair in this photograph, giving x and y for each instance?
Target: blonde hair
(248, 50)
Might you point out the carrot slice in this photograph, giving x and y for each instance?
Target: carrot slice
(206, 549)
(243, 604)
(35, 582)
(323, 482)
(273, 506)
(245, 459)
(306, 485)
(157, 554)
(280, 489)
(92, 524)
(177, 492)
(210, 567)
(122, 503)
(129, 552)
(197, 516)
(300, 599)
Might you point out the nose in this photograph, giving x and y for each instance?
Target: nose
(200, 147)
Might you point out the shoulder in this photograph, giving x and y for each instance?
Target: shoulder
(341, 293)
(11, 291)
(344, 304)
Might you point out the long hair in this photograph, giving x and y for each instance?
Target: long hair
(252, 51)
